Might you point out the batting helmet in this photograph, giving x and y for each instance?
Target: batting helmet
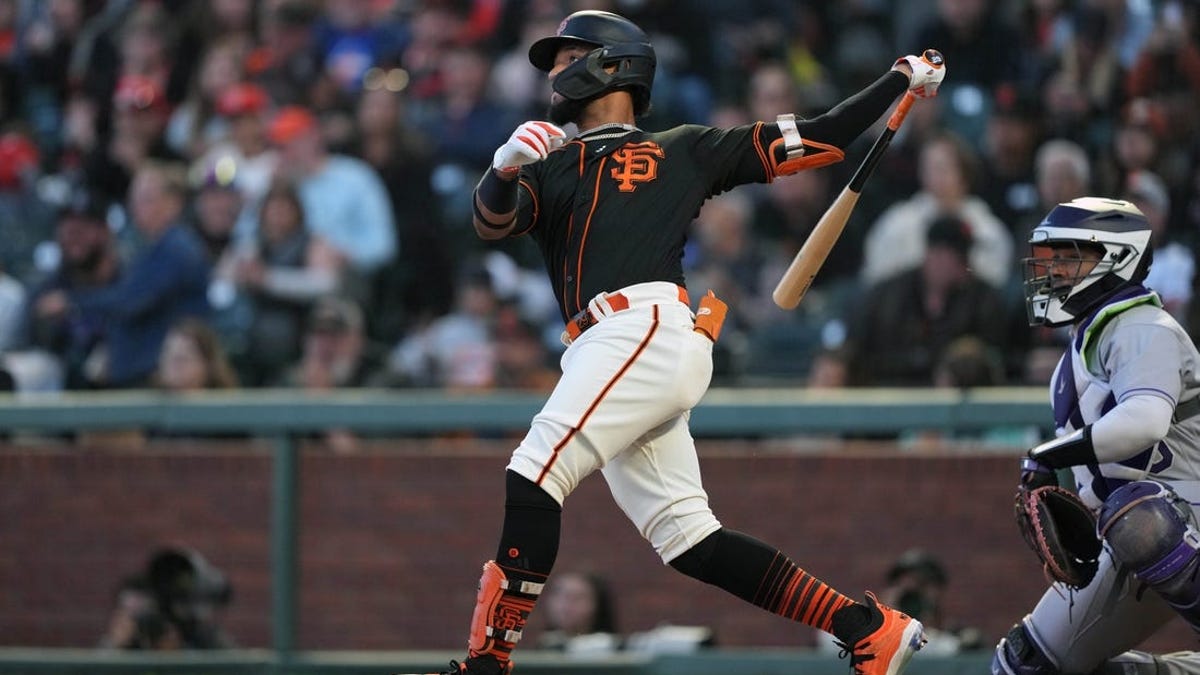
(617, 43)
(1114, 228)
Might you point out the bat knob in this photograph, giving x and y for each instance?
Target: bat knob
(934, 57)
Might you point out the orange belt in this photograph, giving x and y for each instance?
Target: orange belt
(586, 319)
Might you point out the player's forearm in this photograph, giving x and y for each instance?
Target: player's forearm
(495, 205)
(1133, 425)
(849, 119)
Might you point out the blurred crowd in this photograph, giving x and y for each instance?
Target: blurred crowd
(203, 194)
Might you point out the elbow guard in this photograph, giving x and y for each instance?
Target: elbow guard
(1065, 451)
(789, 154)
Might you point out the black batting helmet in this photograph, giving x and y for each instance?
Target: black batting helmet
(616, 41)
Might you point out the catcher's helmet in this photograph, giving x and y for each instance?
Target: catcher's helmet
(1115, 229)
(616, 41)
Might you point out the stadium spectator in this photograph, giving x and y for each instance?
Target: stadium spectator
(456, 350)
(26, 217)
(50, 36)
(165, 281)
(336, 355)
(192, 359)
(87, 260)
(512, 84)
(216, 205)
(580, 614)
(1085, 79)
(724, 255)
(12, 301)
(900, 330)
(246, 150)
(978, 39)
(352, 36)
(522, 359)
(1011, 137)
(284, 272)
(195, 124)
(464, 126)
(415, 286)
(344, 200)
(287, 61)
(140, 114)
(947, 170)
(1174, 264)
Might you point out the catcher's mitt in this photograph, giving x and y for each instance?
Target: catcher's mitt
(1061, 530)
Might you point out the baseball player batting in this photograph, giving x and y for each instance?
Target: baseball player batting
(610, 209)
(1126, 401)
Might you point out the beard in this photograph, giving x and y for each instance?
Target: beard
(565, 111)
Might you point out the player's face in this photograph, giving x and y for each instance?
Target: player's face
(1063, 264)
(563, 110)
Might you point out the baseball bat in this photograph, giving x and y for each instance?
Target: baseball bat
(804, 267)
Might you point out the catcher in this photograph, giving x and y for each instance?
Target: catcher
(1125, 553)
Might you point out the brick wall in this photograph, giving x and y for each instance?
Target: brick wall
(392, 537)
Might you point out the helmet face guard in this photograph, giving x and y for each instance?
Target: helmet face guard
(1082, 253)
(632, 64)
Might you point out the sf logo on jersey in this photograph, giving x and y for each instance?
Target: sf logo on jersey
(636, 163)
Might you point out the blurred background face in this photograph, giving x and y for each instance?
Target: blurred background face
(943, 267)
(378, 112)
(302, 153)
(280, 218)
(941, 174)
(465, 73)
(152, 206)
(181, 365)
(1136, 147)
(217, 211)
(81, 241)
(772, 93)
(723, 226)
(222, 68)
(571, 604)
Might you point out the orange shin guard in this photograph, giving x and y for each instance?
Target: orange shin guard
(501, 609)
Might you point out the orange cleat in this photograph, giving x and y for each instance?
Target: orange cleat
(884, 644)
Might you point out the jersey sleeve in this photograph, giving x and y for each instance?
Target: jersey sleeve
(733, 156)
(1144, 359)
(527, 203)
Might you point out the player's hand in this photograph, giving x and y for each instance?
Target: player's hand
(531, 142)
(928, 71)
(1034, 474)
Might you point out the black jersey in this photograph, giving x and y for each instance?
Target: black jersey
(612, 207)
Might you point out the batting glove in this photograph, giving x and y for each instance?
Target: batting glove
(531, 142)
(928, 71)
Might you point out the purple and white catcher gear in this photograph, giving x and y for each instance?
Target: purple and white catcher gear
(1151, 530)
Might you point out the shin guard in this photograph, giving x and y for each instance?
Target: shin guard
(501, 609)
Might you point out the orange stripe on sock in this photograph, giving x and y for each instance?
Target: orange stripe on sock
(795, 600)
(824, 620)
(808, 600)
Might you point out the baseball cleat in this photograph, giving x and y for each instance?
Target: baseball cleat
(885, 644)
